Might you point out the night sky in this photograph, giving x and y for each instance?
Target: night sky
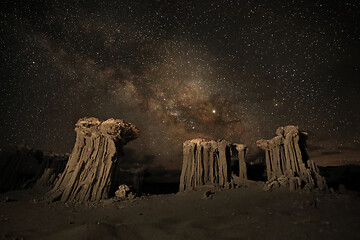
(233, 70)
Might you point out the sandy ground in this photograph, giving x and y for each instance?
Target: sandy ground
(242, 213)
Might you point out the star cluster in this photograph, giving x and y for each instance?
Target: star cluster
(178, 70)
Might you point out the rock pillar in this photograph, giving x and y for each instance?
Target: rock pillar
(92, 170)
(241, 151)
(209, 163)
(286, 158)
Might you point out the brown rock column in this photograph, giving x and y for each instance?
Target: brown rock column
(264, 144)
(209, 163)
(54, 165)
(93, 166)
(285, 160)
(205, 163)
(241, 151)
(20, 167)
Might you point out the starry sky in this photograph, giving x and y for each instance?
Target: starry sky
(233, 70)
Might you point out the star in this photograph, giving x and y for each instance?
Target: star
(180, 70)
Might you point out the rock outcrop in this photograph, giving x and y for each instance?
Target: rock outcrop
(20, 166)
(287, 162)
(209, 163)
(133, 177)
(241, 151)
(54, 165)
(92, 171)
(124, 192)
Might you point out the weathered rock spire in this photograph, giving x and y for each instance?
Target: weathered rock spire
(92, 170)
(208, 163)
(286, 158)
(241, 152)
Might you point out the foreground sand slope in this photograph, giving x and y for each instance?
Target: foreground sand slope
(243, 213)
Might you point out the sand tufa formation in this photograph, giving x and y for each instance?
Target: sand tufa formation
(22, 167)
(209, 163)
(287, 161)
(241, 150)
(19, 166)
(92, 171)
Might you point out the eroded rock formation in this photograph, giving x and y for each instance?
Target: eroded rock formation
(241, 151)
(92, 171)
(209, 163)
(19, 167)
(54, 165)
(133, 177)
(287, 161)
(23, 167)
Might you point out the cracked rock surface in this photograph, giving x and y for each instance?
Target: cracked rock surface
(287, 162)
(207, 162)
(93, 166)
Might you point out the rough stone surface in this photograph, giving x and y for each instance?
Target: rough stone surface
(54, 165)
(93, 167)
(23, 167)
(19, 167)
(124, 192)
(287, 162)
(208, 163)
(241, 151)
(133, 177)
